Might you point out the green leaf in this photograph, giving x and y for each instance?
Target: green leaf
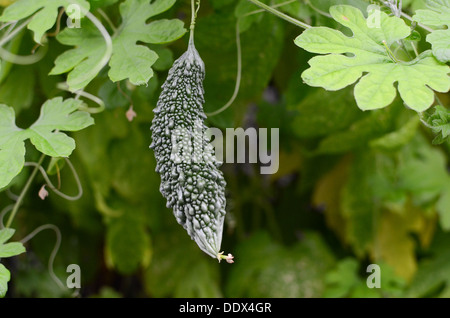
(342, 279)
(368, 49)
(165, 59)
(439, 122)
(432, 278)
(129, 60)
(126, 243)
(95, 4)
(60, 115)
(241, 12)
(44, 13)
(55, 165)
(56, 115)
(442, 207)
(5, 276)
(178, 269)
(9, 249)
(83, 60)
(345, 281)
(323, 113)
(18, 88)
(215, 39)
(268, 269)
(437, 15)
(12, 147)
(362, 131)
(6, 234)
(358, 205)
(423, 172)
(398, 138)
(133, 61)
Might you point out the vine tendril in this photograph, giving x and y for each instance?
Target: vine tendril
(51, 185)
(54, 251)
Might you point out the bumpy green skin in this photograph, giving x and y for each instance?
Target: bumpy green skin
(195, 188)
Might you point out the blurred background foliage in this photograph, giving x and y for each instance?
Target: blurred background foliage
(353, 188)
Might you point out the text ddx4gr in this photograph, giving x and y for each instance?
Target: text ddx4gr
(226, 307)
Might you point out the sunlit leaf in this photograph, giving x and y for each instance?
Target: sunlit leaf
(369, 53)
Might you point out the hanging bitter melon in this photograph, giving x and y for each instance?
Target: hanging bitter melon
(190, 177)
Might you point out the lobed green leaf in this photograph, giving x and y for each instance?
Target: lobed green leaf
(44, 13)
(129, 60)
(437, 15)
(56, 115)
(347, 60)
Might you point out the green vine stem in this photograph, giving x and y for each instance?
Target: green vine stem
(273, 6)
(108, 42)
(194, 13)
(308, 2)
(24, 191)
(403, 14)
(108, 20)
(281, 14)
(23, 60)
(3, 213)
(52, 186)
(238, 75)
(95, 99)
(389, 52)
(239, 61)
(54, 251)
(13, 33)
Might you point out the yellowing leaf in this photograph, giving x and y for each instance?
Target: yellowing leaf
(394, 243)
(327, 195)
(289, 162)
(5, 3)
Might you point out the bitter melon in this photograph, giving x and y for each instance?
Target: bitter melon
(190, 177)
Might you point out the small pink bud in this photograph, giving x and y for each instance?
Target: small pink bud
(131, 114)
(43, 193)
(229, 259)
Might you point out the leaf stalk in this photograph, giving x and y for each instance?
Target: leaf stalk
(281, 14)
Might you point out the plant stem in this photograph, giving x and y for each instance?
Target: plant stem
(24, 191)
(51, 260)
(23, 60)
(281, 14)
(238, 75)
(403, 14)
(193, 19)
(108, 20)
(273, 6)
(53, 188)
(239, 59)
(108, 50)
(6, 39)
(308, 2)
(389, 52)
